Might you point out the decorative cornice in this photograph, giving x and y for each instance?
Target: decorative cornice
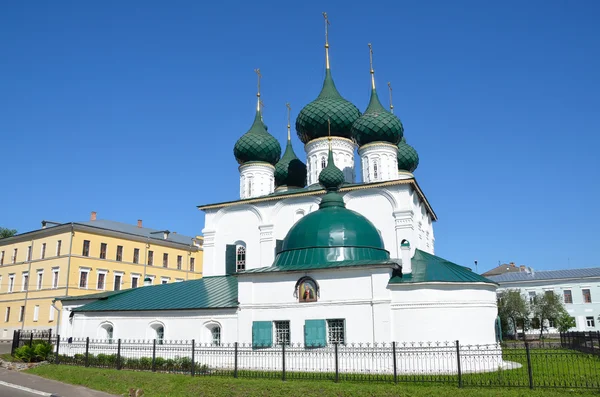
(320, 192)
(256, 164)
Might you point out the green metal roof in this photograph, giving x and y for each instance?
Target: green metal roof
(257, 144)
(377, 124)
(99, 295)
(323, 265)
(430, 268)
(408, 158)
(331, 177)
(290, 171)
(312, 121)
(206, 293)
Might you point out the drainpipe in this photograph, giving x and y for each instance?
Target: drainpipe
(58, 318)
(27, 290)
(373, 309)
(69, 260)
(146, 256)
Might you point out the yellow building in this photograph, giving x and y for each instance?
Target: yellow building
(72, 259)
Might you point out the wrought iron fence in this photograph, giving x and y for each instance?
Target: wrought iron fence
(513, 364)
(29, 338)
(586, 342)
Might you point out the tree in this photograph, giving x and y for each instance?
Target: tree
(512, 307)
(4, 233)
(547, 306)
(565, 322)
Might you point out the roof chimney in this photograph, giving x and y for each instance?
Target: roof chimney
(405, 256)
(512, 264)
(93, 216)
(43, 224)
(522, 267)
(139, 223)
(165, 234)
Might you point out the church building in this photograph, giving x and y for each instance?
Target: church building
(309, 253)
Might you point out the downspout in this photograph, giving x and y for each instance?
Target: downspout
(27, 286)
(373, 309)
(146, 257)
(59, 313)
(69, 260)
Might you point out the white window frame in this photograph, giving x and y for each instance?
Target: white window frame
(15, 252)
(21, 314)
(98, 273)
(151, 278)
(137, 277)
(29, 256)
(40, 280)
(55, 271)
(87, 277)
(330, 339)
(52, 314)
(215, 335)
(281, 328)
(177, 280)
(24, 285)
(2, 258)
(11, 283)
(165, 280)
(36, 313)
(58, 244)
(43, 251)
(7, 314)
(590, 322)
(120, 275)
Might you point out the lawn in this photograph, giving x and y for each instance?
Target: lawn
(159, 384)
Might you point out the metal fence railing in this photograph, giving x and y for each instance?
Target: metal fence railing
(23, 338)
(563, 364)
(586, 342)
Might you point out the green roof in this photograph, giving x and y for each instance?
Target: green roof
(430, 268)
(322, 265)
(377, 124)
(408, 158)
(312, 121)
(289, 170)
(257, 145)
(216, 292)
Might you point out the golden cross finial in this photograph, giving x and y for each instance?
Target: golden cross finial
(371, 63)
(391, 105)
(257, 71)
(289, 109)
(326, 40)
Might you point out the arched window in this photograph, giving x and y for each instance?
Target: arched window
(240, 258)
(157, 331)
(323, 163)
(299, 214)
(375, 171)
(215, 333)
(106, 331)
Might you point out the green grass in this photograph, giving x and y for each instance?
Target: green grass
(159, 385)
(10, 358)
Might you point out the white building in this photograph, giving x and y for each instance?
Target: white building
(579, 289)
(337, 261)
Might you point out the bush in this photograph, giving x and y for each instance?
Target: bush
(107, 360)
(25, 354)
(145, 363)
(42, 350)
(159, 362)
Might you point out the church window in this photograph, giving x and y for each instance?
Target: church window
(282, 333)
(323, 163)
(240, 258)
(336, 331)
(215, 334)
(250, 186)
(106, 331)
(375, 171)
(158, 332)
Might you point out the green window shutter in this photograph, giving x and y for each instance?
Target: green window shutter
(230, 267)
(315, 334)
(278, 246)
(262, 334)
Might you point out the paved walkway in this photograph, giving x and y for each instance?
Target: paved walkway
(47, 387)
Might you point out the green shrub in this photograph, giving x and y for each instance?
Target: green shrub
(25, 354)
(42, 350)
(160, 363)
(145, 363)
(108, 360)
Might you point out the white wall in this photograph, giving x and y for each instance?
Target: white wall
(396, 211)
(444, 312)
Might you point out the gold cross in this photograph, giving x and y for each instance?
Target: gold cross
(326, 40)
(289, 109)
(371, 65)
(257, 71)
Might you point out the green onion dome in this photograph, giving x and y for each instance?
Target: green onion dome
(408, 158)
(311, 123)
(377, 124)
(290, 171)
(333, 233)
(257, 145)
(331, 177)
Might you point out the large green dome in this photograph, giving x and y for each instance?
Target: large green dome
(312, 122)
(377, 124)
(333, 233)
(290, 171)
(257, 145)
(408, 158)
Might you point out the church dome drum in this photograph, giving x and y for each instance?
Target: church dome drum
(377, 124)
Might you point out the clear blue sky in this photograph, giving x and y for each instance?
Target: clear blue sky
(132, 109)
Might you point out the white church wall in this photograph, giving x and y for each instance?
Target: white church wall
(396, 211)
(437, 312)
(359, 296)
